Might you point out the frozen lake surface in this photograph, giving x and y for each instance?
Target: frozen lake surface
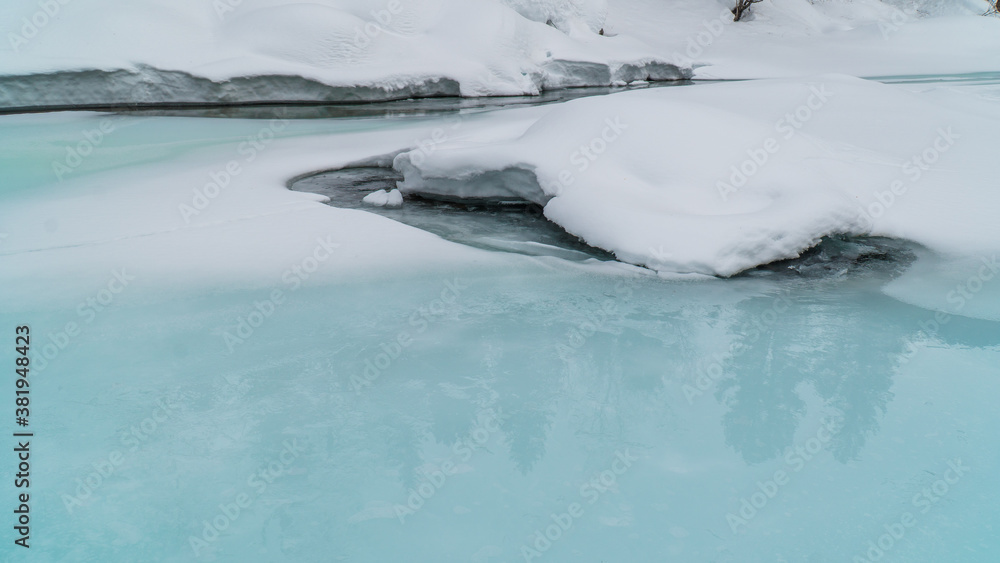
(541, 404)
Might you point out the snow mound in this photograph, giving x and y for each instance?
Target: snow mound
(394, 199)
(191, 51)
(721, 178)
(149, 86)
(382, 198)
(377, 198)
(794, 38)
(938, 8)
(106, 52)
(567, 15)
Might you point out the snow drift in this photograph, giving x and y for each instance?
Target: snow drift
(129, 51)
(717, 179)
(238, 51)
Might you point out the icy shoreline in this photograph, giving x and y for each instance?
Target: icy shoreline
(261, 51)
(721, 178)
(153, 87)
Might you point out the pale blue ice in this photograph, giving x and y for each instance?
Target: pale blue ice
(545, 415)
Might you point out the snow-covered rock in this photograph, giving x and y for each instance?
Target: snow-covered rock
(382, 198)
(377, 198)
(394, 199)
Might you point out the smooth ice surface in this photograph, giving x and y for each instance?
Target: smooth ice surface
(706, 388)
(661, 407)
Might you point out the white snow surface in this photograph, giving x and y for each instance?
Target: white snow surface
(567, 15)
(382, 198)
(139, 208)
(716, 179)
(378, 198)
(65, 237)
(399, 48)
(394, 199)
(484, 45)
(784, 38)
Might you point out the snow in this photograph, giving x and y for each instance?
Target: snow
(190, 50)
(650, 175)
(377, 198)
(139, 207)
(147, 51)
(566, 15)
(720, 178)
(708, 386)
(394, 199)
(382, 198)
(785, 38)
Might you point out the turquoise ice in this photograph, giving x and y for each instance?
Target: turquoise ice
(554, 412)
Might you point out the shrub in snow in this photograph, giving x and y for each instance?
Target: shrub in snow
(565, 15)
(742, 9)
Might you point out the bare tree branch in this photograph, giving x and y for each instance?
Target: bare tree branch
(743, 8)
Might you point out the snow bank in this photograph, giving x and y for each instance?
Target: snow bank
(786, 38)
(717, 179)
(327, 50)
(566, 15)
(192, 51)
(937, 8)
